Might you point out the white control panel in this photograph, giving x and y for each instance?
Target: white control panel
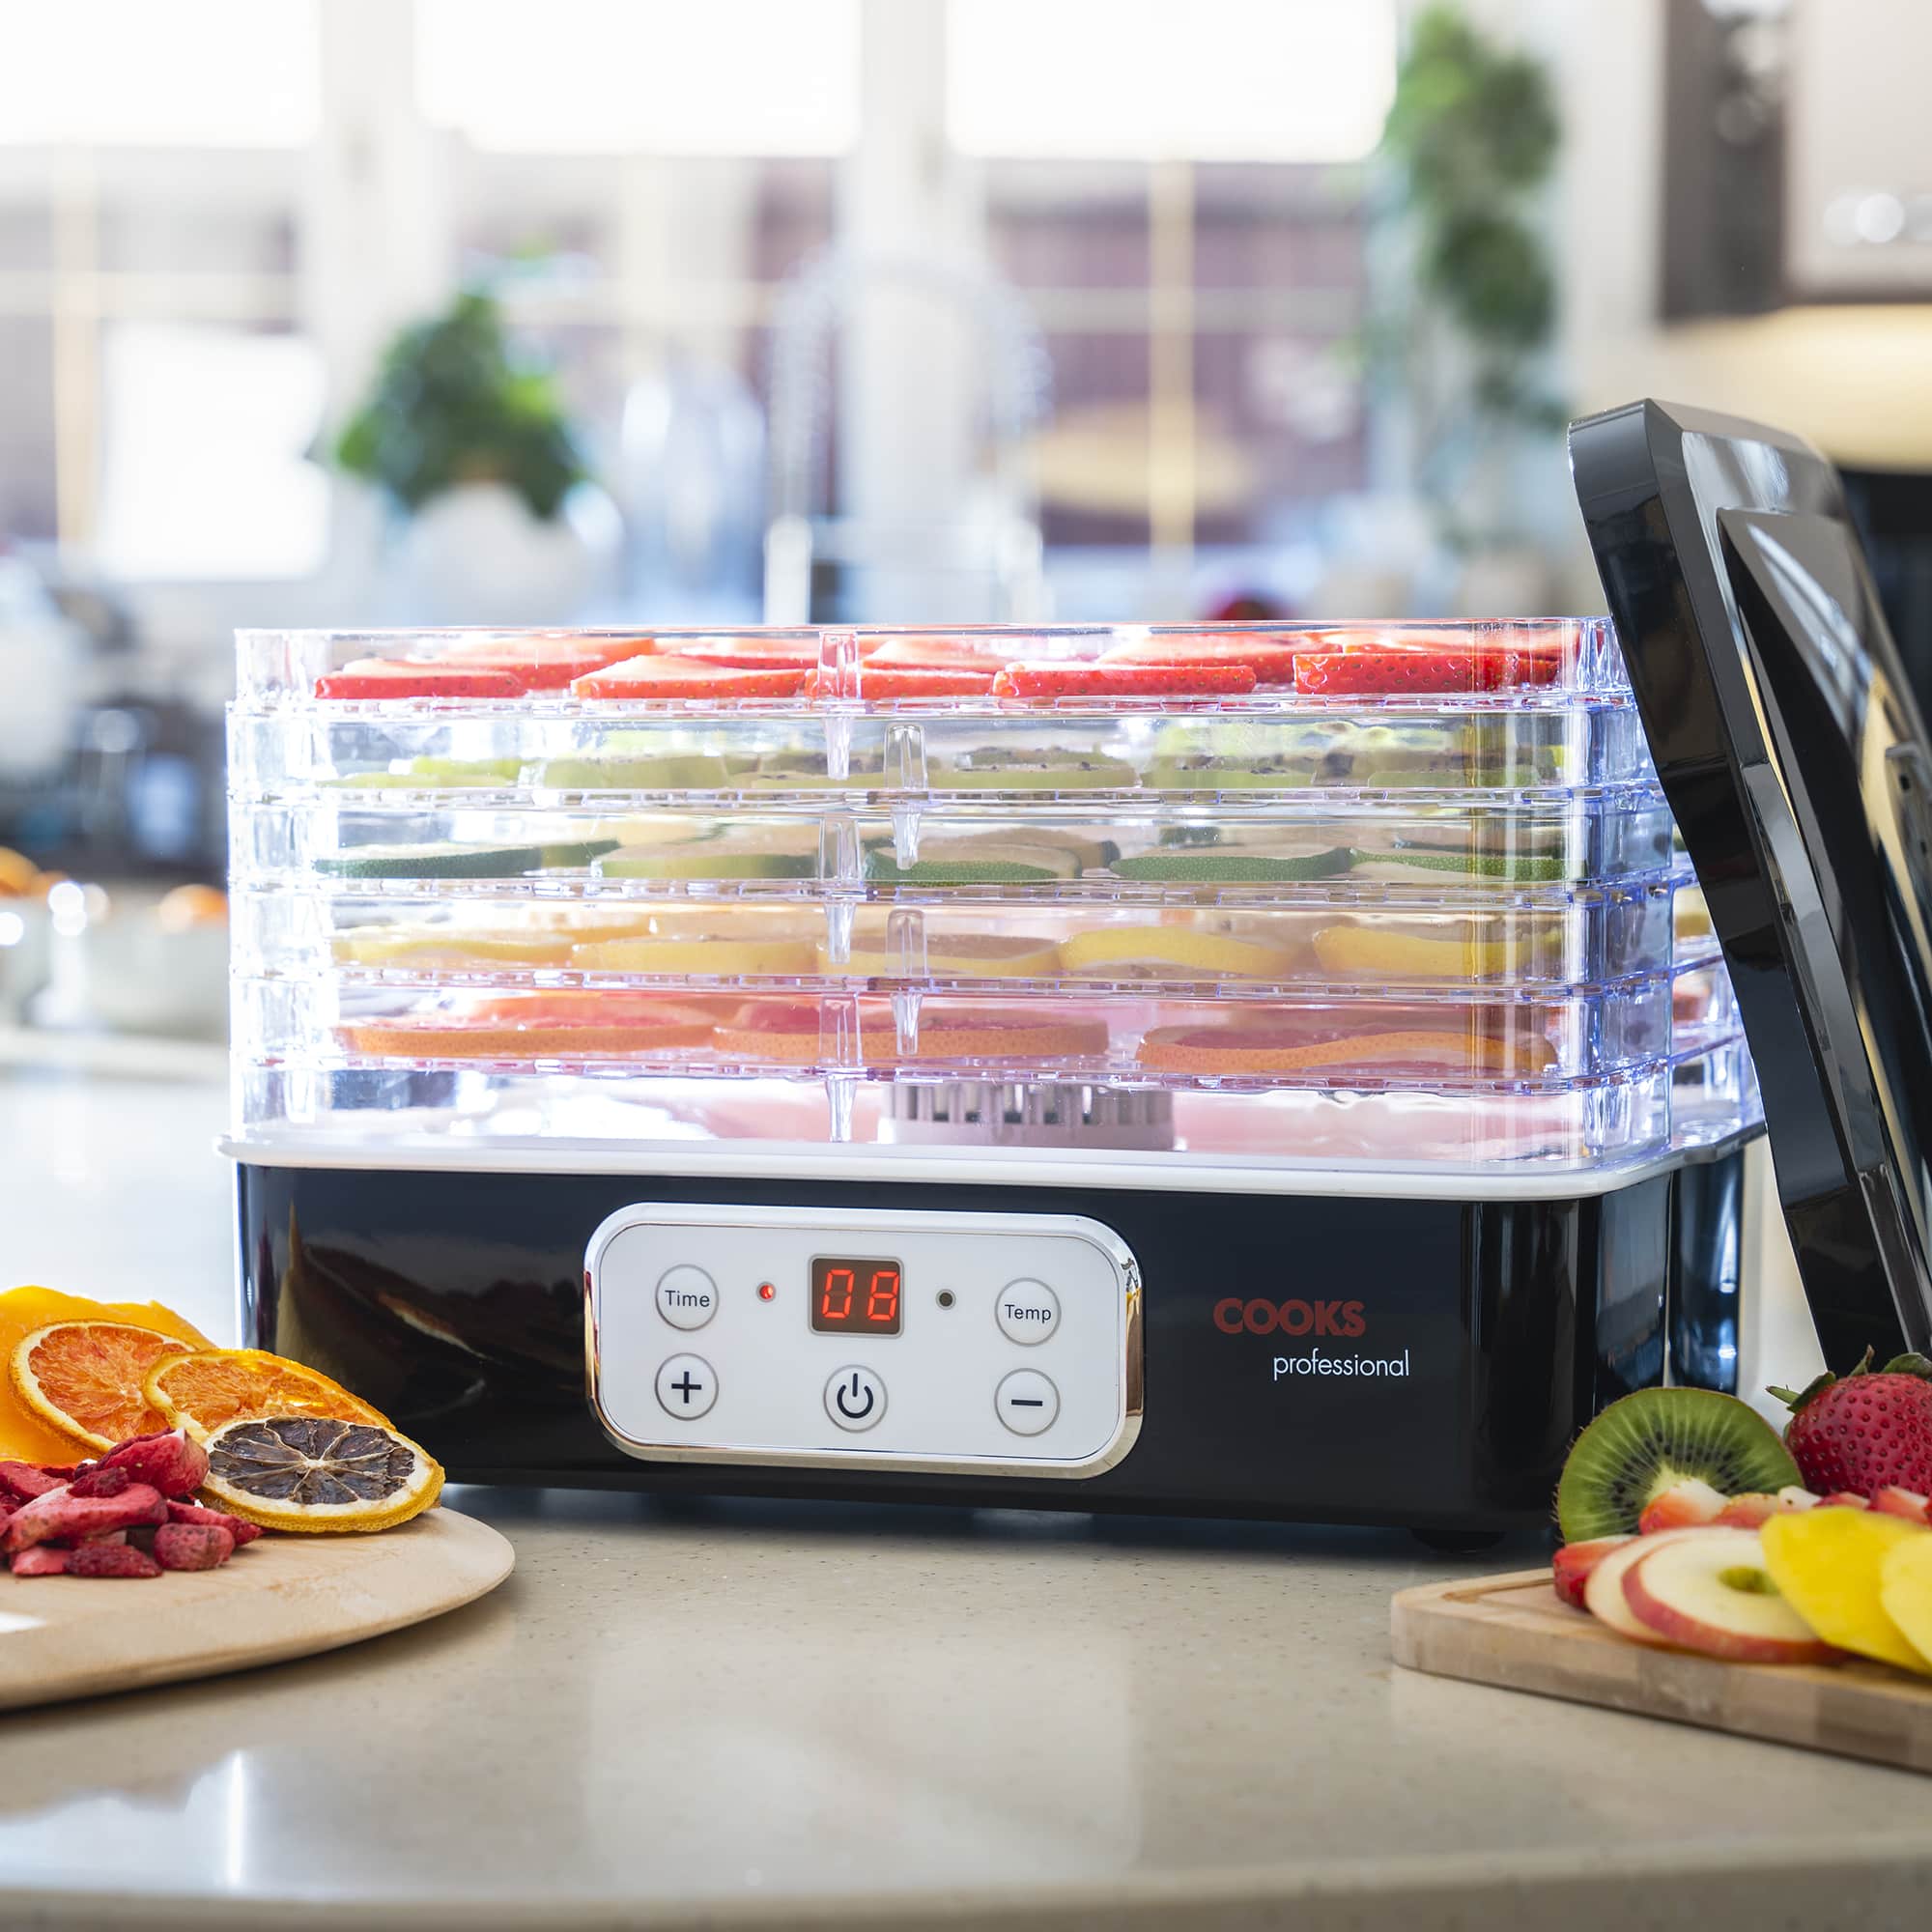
(1005, 1344)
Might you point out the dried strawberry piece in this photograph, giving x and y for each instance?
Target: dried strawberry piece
(1073, 678)
(99, 1481)
(170, 1461)
(61, 1517)
(24, 1480)
(207, 1519)
(111, 1559)
(404, 678)
(44, 1559)
(192, 1545)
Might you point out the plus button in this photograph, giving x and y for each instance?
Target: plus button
(687, 1387)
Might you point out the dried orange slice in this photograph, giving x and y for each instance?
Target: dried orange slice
(25, 1434)
(202, 1391)
(86, 1378)
(319, 1473)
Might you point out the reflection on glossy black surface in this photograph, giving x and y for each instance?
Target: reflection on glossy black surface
(1798, 765)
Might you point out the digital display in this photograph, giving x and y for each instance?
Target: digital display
(856, 1297)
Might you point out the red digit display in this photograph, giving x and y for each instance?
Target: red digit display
(856, 1297)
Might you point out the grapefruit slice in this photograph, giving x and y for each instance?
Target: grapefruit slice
(85, 1378)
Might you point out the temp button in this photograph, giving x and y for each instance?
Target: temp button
(1029, 1310)
(1027, 1403)
(687, 1298)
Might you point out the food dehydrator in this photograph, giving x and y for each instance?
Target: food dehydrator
(1287, 1071)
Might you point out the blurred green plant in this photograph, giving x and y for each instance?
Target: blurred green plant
(451, 405)
(1471, 141)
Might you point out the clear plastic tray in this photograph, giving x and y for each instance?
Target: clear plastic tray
(1513, 664)
(1053, 850)
(1317, 938)
(1445, 1039)
(392, 1111)
(1395, 896)
(565, 755)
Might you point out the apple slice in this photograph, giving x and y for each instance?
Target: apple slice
(1846, 1499)
(1603, 1587)
(1571, 1567)
(1795, 1497)
(1891, 1500)
(1709, 1591)
(1755, 1510)
(1683, 1505)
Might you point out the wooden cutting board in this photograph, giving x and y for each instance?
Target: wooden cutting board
(281, 1596)
(1511, 1631)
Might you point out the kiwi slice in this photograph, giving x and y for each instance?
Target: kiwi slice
(1644, 1445)
(575, 852)
(1233, 869)
(997, 770)
(672, 771)
(1524, 866)
(1017, 863)
(432, 862)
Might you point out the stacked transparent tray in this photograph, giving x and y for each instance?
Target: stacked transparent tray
(1394, 896)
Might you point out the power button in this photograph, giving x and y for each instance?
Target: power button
(855, 1398)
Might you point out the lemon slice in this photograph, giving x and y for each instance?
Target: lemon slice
(319, 1474)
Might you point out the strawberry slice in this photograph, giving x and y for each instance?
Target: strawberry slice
(934, 653)
(544, 664)
(888, 681)
(1271, 659)
(687, 677)
(410, 677)
(1074, 678)
(1381, 671)
(750, 653)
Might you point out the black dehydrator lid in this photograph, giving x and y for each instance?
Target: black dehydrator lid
(1797, 763)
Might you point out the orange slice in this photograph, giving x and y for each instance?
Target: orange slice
(201, 1392)
(24, 1434)
(319, 1473)
(85, 1378)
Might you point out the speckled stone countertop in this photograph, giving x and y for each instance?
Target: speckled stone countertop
(757, 1715)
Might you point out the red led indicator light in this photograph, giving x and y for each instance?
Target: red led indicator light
(766, 1291)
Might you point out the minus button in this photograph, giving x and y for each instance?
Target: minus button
(1026, 1402)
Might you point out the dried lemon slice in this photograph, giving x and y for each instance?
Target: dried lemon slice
(319, 1473)
(85, 1378)
(202, 1391)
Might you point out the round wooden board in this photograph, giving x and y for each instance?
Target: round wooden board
(281, 1596)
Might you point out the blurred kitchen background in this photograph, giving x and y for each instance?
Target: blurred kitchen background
(348, 312)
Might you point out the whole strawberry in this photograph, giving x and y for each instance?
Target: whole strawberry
(1864, 1431)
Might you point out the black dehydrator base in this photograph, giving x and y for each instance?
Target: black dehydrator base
(1340, 1359)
